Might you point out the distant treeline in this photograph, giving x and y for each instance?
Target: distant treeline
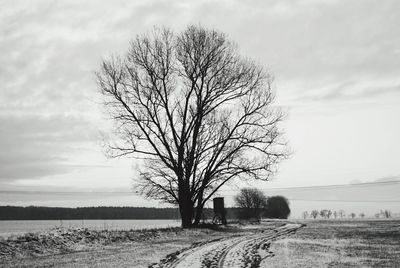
(327, 214)
(87, 213)
(59, 213)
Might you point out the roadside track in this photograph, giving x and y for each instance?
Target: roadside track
(245, 250)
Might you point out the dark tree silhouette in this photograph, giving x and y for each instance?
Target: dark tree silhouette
(57, 213)
(329, 213)
(325, 213)
(277, 207)
(386, 214)
(252, 202)
(195, 111)
(314, 214)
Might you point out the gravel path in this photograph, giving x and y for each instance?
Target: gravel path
(245, 250)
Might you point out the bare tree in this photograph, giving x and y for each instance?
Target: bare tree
(252, 201)
(197, 113)
(329, 213)
(352, 215)
(386, 214)
(362, 215)
(314, 213)
(324, 213)
(305, 214)
(341, 213)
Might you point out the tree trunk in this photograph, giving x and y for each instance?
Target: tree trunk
(199, 213)
(186, 210)
(199, 208)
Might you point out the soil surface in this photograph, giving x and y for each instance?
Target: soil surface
(232, 246)
(325, 243)
(339, 243)
(242, 250)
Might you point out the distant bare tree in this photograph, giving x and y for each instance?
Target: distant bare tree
(197, 112)
(314, 214)
(362, 215)
(323, 213)
(386, 214)
(352, 215)
(341, 213)
(305, 214)
(335, 214)
(251, 201)
(329, 213)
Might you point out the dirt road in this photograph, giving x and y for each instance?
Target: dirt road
(244, 250)
(326, 243)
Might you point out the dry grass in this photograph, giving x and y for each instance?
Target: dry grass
(319, 244)
(339, 244)
(124, 254)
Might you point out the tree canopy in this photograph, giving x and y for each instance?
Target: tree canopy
(195, 111)
(278, 207)
(252, 203)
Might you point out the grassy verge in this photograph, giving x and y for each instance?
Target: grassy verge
(83, 248)
(339, 244)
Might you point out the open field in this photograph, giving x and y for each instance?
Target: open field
(332, 243)
(351, 243)
(18, 227)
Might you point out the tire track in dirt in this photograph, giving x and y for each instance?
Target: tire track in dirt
(246, 250)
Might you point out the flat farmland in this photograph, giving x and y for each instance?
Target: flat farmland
(328, 243)
(332, 243)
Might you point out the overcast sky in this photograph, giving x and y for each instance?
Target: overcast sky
(336, 66)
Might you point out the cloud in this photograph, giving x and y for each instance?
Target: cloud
(37, 146)
(307, 44)
(320, 51)
(388, 179)
(354, 91)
